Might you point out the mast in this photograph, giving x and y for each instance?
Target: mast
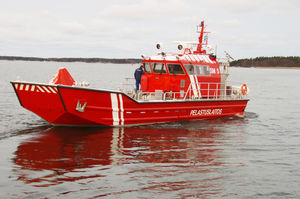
(199, 45)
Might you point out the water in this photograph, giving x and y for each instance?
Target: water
(252, 157)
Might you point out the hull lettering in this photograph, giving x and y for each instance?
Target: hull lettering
(206, 112)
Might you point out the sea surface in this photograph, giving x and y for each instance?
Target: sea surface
(255, 156)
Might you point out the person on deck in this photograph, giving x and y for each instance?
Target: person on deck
(138, 76)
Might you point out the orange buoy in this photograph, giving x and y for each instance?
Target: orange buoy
(244, 89)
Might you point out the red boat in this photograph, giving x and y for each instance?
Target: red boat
(188, 85)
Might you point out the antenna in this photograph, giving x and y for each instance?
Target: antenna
(202, 38)
(228, 56)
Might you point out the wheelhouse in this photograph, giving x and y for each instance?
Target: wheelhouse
(197, 74)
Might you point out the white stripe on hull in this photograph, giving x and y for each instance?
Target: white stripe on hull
(117, 109)
(35, 88)
(121, 109)
(40, 89)
(52, 90)
(45, 88)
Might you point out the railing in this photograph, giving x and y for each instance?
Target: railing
(201, 91)
(215, 91)
(224, 65)
(128, 86)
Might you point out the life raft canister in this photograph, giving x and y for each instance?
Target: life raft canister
(244, 89)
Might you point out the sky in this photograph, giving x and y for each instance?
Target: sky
(131, 28)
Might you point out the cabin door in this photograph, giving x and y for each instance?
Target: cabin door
(160, 79)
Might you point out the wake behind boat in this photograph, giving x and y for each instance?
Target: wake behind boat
(187, 85)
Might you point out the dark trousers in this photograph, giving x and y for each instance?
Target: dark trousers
(137, 84)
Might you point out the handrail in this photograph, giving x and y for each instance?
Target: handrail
(207, 91)
(214, 91)
(187, 92)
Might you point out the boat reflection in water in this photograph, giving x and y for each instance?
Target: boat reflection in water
(179, 158)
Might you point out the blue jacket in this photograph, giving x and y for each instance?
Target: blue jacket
(138, 74)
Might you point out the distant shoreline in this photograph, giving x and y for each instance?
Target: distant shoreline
(66, 59)
(273, 67)
(268, 62)
(259, 62)
(279, 67)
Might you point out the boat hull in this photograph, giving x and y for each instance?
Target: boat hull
(72, 106)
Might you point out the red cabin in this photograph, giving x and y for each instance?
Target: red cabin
(195, 74)
(199, 74)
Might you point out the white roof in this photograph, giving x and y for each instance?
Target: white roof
(185, 57)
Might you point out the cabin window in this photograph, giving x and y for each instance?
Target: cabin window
(198, 70)
(175, 69)
(147, 67)
(190, 69)
(159, 68)
(202, 70)
(205, 70)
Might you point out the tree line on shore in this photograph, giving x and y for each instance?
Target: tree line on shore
(291, 61)
(87, 60)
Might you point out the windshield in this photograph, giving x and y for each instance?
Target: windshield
(158, 68)
(147, 67)
(175, 69)
(190, 69)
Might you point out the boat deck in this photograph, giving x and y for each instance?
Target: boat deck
(212, 92)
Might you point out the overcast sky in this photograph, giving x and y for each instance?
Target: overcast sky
(129, 28)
